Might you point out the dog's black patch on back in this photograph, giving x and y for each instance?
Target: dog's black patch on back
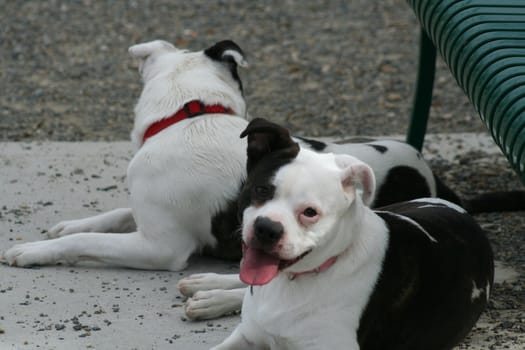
(420, 277)
(314, 144)
(216, 52)
(403, 177)
(379, 148)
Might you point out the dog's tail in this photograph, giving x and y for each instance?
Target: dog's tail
(484, 203)
(495, 202)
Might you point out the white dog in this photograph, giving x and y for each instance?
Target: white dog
(327, 272)
(189, 165)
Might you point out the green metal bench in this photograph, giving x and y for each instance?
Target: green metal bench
(483, 44)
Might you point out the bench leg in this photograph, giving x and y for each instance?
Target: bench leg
(423, 92)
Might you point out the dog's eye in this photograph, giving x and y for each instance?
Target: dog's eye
(263, 192)
(308, 216)
(310, 212)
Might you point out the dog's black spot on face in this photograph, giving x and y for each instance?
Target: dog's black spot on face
(412, 182)
(262, 192)
(270, 147)
(314, 144)
(216, 53)
(259, 187)
(379, 148)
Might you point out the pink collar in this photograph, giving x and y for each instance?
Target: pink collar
(324, 266)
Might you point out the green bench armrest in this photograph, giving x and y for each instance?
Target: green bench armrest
(483, 44)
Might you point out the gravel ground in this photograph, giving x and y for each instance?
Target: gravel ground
(65, 75)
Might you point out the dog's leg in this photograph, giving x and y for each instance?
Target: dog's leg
(209, 304)
(207, 281)
(115, 221)
(238, 341)
(132, 250)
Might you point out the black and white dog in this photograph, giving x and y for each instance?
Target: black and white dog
(327, 272)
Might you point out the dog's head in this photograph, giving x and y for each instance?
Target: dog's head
(297, 205)
(172, 77)
(161, 57)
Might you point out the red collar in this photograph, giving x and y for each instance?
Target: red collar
(324, 266)
(189, 110)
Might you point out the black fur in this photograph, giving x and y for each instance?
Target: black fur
(495, 201)
(216, 52)
(225, 226)
(489, 202)
(422, 299)
(268, 139)
(402, 183)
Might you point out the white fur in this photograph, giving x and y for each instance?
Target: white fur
(169, 175)
(208, 281)
(210, 304)
(211, 295)
(308, 312)
(118, 221)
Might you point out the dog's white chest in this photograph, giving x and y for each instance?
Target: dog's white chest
(300, 314)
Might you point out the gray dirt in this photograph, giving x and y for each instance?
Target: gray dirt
(321, 68)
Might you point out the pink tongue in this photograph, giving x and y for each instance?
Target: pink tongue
(258, 267)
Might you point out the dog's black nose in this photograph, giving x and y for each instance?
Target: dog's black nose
(267, 231)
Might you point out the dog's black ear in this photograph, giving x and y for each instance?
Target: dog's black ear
(265, 137)
(227, 51)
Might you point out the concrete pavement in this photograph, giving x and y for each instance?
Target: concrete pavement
(83, 307)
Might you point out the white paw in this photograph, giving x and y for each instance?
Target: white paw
(28, 254)
(68, 227)
(205, 305)
(198, 282)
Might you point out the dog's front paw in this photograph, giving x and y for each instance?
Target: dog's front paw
(204, 305)
(198, 282)
(29, 254)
